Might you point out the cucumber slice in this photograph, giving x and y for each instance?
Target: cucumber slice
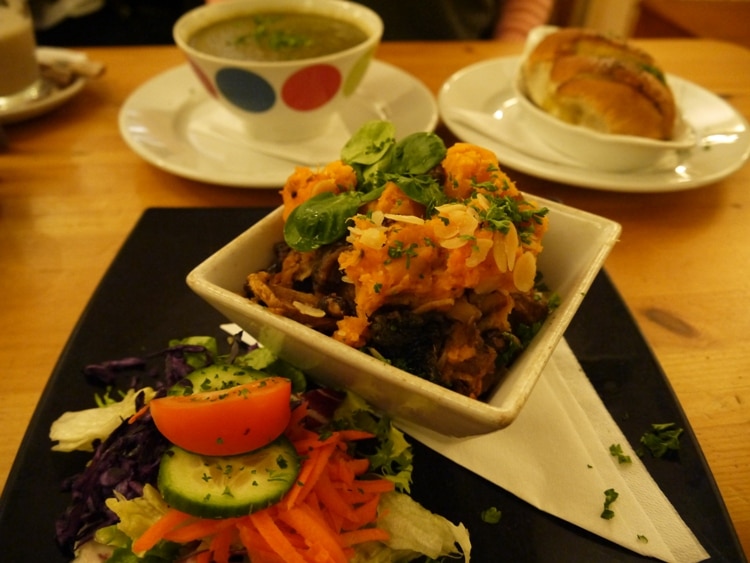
(215, 378)
(224, 487)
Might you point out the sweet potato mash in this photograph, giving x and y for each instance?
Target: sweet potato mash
(433, 271)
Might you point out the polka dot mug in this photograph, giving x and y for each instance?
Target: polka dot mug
(284, 100)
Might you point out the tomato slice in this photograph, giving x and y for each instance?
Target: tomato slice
(226, 422)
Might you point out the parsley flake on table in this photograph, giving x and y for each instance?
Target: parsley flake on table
(661, 439)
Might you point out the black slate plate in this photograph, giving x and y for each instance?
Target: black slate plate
(143, 301)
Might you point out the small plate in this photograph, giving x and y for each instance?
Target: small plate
(55, 98)
(486, 111)
(172, 123)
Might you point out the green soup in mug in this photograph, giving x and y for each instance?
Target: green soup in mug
(277, 36)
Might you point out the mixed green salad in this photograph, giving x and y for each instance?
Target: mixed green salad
(208, 456)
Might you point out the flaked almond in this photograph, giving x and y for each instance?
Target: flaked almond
(412, 219)
(467, 222)
(455, 242)
(377, 217)
(480, 249)
(525, 272)
(306, 309)
(498, 252)
(511, 245)
(372, 238)
(482, 202)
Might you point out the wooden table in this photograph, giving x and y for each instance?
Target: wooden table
(71, 190)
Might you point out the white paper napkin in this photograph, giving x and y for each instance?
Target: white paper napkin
(556, 457)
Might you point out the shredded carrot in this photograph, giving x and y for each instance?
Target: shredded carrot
(256, 545)
(332, 499)
(200, 528)
(313, 442)
(314, 531)
(311, 470)
(221, 544)
(295, 421)
(138, 414)
(366, 513)
(275, 537)
(154, 534)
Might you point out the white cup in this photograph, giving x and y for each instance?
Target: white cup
(258, 92)
(19, 76)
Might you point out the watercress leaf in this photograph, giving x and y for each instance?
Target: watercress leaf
(418, 153)
(319, 220)
(370, 143)
(373, 176)
(422, 189)
(322, 219)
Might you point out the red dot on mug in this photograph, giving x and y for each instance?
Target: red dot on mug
(311, 87)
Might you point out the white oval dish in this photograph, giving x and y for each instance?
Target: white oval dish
(597, 150)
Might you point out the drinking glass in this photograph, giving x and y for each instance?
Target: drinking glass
(20, 80)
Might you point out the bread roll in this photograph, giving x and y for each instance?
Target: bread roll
(589, 79)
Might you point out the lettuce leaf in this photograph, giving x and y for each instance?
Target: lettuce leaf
(138, 514)
(78, 430)
(415, 531)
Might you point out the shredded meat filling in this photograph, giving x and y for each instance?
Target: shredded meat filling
(464, 346)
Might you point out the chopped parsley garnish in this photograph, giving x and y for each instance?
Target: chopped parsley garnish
(616, 451)
(661, 439)
(610, 496)
(491, 515)
(397, 250)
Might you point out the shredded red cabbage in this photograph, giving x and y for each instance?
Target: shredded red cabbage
(124, 462)
(129, 458)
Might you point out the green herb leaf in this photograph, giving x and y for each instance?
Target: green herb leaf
(491, 515)
(370, 143)
(422, 189)
(322, 219)
(610, 496)
(616, 451)
(661, 439)
(418, 153)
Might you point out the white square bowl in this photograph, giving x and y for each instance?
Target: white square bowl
(575, 248)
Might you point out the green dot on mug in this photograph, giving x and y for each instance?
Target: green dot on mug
(356, 74)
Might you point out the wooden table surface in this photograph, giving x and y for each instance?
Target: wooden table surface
(71, 190)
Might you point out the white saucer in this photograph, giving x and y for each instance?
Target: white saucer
(172, 123)
(479, 106)
(55, 98)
